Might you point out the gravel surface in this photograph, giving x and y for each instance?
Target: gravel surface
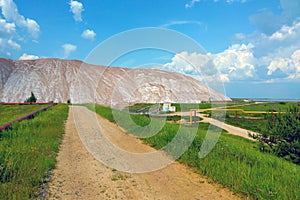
(80, 175)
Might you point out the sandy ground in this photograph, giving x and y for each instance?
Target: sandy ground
(79, 175)
(229, 128)
(233, 130)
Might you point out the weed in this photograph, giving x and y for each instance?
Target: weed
(28, 151)
(234, 162)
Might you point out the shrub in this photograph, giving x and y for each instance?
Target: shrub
(281, 136)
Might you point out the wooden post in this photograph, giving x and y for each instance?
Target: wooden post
(236, 117)
(191, 116)
(195, 116)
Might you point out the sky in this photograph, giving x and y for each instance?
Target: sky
(253, 44)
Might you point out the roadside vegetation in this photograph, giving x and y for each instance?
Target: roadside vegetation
(234, 162)
(28, 151)
(12, 112)
(281, 135)
(254, 121)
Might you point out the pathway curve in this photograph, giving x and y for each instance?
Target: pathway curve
(233, 130)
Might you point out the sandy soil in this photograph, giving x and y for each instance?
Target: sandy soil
(79, 175)
(233, 130)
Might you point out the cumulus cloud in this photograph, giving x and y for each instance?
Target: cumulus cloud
(282, 43)
(28, 57)
(13, 44)
(282, 64)
(11, 14)
(286, 32)
(187, 63)
(238, 62)
(88, 34)
(68, 49)
(76, 8)
(197, 65)
(6, 28)
(268, 22)
(296, 61)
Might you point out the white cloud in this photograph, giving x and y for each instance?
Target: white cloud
(76, 8)
(6, 28)
(193, 2)
(13, 44)
(182, 22)
(268, 22)
(296, 61)
(28, 57)
(68, 49)
(197, 65)
(286, 32)
(187, 63)
(282, 64)
(88, 34)
(238, 62)
(235, 63)
(281, 44)
(11, 14)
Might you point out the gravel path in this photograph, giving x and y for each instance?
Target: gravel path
(229, 128)
(233, 130)
(79, 175)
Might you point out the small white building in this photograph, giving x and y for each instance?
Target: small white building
(167, 107)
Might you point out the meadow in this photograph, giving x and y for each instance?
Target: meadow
(251, 121)
(234, 162)
(28, 151)
(12, 112)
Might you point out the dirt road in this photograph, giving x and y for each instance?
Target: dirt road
(229, 128)
(78, 175)
(233, 130)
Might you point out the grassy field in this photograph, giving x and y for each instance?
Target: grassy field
(274, 106)
(234, 162)
(28, 151)
(11, 112)
(254, 122)
(184, 107)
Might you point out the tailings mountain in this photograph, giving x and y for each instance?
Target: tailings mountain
(61, 80)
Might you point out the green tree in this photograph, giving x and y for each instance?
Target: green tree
(282, 135)
(31, 99)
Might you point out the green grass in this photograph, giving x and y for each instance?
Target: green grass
(28, 151)
(184, 107)
(234, 162)
(277, 106)
(11, 112)
(253, 122)
(139, 106)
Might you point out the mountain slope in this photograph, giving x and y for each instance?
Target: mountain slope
(59, 80)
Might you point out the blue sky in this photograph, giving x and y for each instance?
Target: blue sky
(254, 44)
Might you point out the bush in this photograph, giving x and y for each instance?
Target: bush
(282, 135)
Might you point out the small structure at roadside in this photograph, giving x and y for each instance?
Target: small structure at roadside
(167, 107)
